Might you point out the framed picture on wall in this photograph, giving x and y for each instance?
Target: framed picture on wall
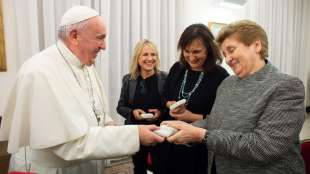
(215, 27)
(2, 45)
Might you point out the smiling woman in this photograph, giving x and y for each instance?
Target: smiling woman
(2, 48)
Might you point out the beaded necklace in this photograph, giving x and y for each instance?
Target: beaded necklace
(187, 95)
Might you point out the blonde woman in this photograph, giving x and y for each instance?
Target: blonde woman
(141, 93)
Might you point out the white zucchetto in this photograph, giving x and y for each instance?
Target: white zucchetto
(77, 14)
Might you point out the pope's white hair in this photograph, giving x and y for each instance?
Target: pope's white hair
(64, 31)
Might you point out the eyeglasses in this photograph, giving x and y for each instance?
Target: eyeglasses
(142, 86)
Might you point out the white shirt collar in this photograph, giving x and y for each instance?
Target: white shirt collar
(68, 55)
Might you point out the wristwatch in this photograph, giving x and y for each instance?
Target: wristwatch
(204, 140)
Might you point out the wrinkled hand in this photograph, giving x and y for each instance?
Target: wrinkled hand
(137, 112)
(186, 134)
(156, 113)
(182, 116)
(147, 136)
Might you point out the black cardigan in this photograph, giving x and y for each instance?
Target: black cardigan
(124, 107)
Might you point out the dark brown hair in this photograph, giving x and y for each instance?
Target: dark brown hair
(201, 32)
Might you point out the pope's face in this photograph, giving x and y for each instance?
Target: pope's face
(91, 40)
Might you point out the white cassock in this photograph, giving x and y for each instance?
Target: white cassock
(51, 112)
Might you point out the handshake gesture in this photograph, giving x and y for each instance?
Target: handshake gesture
(177, 132)
(147, 136)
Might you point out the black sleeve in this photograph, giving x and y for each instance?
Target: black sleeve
(223, 73)
(169, 87)
(123, 107)
(171, 81)
(163, 110)
(219, 74)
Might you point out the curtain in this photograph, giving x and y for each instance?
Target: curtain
(128, 21)
(287, 23)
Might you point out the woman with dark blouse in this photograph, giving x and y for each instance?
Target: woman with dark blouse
(194, 78)
(141, 93)
(257, 115)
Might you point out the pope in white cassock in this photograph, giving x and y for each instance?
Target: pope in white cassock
(56, 118)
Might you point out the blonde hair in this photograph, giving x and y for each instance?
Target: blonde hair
(247, 32)
(134, 67)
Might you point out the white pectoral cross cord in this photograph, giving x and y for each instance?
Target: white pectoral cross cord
(88, 87)
(95, 100)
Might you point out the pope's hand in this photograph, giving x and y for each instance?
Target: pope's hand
(186, 134)
(147, 136)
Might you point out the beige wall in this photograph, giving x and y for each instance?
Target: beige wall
(7, 78)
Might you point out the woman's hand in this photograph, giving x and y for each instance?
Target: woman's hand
(182, 116)
(186, 116)
(186, 132)
(156, 113)
(169, 103)
(177, 110)
(137, 114)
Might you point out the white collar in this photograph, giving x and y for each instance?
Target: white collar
(68, 55)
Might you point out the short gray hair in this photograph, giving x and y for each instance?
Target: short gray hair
(64, 31)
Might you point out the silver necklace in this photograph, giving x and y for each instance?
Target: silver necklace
(90, 89)
(187, 95)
